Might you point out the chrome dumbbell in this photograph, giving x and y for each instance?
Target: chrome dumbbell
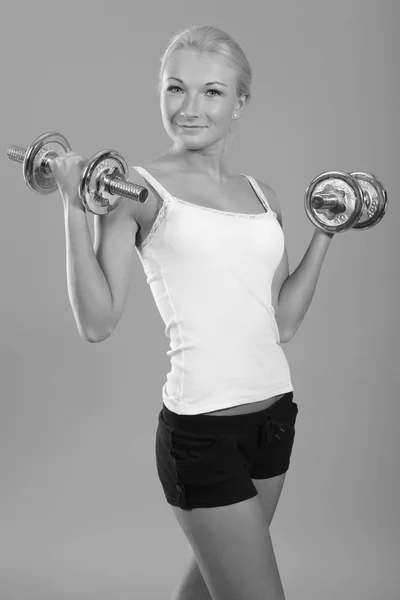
(336, 201)
(104, 180)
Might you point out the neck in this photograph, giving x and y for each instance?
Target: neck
(200, 163)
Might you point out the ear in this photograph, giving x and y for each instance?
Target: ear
(240, 106)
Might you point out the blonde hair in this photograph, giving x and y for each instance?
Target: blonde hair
(211, 39)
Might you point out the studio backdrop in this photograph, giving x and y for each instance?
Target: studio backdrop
(82, 512)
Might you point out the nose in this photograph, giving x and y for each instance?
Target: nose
(191, 107)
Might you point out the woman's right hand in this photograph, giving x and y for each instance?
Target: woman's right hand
(67, 170)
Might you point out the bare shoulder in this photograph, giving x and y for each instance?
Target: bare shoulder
(272, 198)
(137, 209)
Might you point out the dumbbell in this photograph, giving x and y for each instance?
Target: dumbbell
(104, 179)
(336, 201)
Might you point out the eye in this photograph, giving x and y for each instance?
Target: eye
(175, 87)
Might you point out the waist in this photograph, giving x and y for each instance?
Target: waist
(242, 409)
(234, 422)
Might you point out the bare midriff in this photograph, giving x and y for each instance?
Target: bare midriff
(245, 408)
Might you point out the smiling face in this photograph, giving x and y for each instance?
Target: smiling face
(202, 87)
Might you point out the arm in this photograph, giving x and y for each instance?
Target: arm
(292, 294)
(99, 274)
(88, 290)
(298, 289)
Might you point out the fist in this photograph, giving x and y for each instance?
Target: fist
(67, 170)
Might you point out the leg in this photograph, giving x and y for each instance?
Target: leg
(233, 549)
(192, 586)
(269, 492)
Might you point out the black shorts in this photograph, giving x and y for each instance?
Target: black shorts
(204, 460)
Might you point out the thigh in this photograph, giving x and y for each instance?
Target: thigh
(269, 492)
(233, 549)
(192, 584)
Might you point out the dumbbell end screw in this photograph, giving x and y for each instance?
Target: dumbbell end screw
(16, 153)
(19, 154)
(120, 187)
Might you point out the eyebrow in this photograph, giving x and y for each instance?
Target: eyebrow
(210, 83)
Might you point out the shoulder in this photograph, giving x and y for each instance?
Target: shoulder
(272, 198)
(138, 209)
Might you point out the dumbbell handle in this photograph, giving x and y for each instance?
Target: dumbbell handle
(113, 185)
(328, 201)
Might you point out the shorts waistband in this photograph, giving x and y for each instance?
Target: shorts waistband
(228, 423)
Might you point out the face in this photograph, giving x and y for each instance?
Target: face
(208, 107)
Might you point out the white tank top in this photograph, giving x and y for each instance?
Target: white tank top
(210, 273)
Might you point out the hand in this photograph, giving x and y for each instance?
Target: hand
(67, 171)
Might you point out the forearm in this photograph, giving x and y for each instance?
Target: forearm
(298, 289)
(88, 290)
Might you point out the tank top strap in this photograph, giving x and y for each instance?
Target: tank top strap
(165, 195)
(258, 191)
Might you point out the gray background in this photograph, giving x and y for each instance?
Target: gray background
(82, 511)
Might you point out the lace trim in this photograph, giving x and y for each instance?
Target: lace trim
(252, 182)
(156, 224)
(225, 212)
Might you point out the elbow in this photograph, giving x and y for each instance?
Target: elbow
(289, 334)
(97, 331)
(285, 336)
(284, 331)
(93, 337)
(96, 339)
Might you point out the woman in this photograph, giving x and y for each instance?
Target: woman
(212, 246)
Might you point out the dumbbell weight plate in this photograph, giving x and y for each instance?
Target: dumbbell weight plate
(93, 194)
(38, 177)
(375, 204)
(348, 188)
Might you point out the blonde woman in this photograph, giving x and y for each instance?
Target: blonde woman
(212, 247)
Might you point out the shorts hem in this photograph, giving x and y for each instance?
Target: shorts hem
(224, 502)
(274, 474)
